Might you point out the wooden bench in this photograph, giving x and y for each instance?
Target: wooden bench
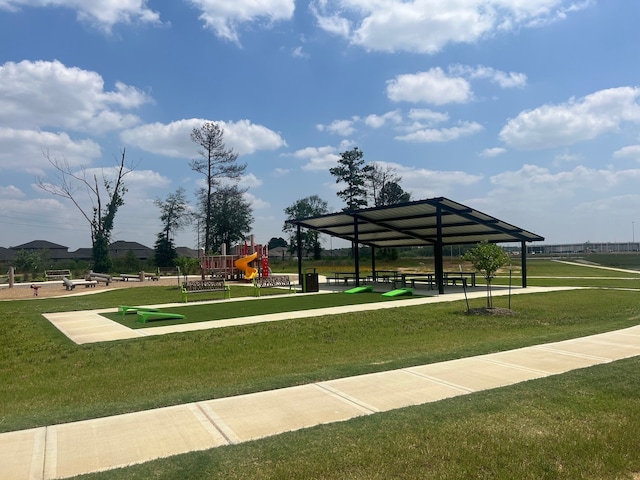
(202, 286)
(273, 281)
(56, 274)
(69, 285)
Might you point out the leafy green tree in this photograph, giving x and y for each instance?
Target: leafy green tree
(277, 242)
(174, 215)
(352, 172)
(487, 258)
(306, 207)
(391, 194)
(217, 164)
(231, 217)
(187, 266)
(165, 253)
(27, 262)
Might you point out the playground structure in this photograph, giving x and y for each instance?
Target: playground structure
(247, 262)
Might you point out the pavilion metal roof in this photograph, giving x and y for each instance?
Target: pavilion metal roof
(416, 224)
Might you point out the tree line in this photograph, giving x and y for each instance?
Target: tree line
(222, 215)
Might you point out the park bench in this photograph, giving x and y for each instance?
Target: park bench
(202, 286)
(56, 274)
(69, 285)
(145, 315)
(273, 281)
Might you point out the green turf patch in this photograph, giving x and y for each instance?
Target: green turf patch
(252, 306)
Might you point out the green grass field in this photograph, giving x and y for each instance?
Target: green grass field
(582, 424)
(221, 309)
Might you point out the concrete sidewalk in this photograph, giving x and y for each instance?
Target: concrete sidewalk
(65, 450)
(89, 326)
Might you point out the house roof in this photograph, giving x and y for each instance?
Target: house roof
(124, 245)
(39, 245)
(417, 224)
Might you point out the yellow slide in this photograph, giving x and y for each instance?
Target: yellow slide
(243, 264)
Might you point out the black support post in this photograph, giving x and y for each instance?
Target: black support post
(523, 259)
(438, 252)
(356, 251)
(299, 240)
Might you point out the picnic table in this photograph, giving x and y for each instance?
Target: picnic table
(385, 276)
(449, 278)
(342, 277)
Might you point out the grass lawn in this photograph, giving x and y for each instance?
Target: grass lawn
(258, 306)
(583, 424)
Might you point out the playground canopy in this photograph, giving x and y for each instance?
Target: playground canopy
(436, 222)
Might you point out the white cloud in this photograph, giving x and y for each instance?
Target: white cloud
(423, 183)
(378, 121)
(256, 202)
(173, 139)
(224, 17)
(566, 157)
(503, 79)
(299, 53)
(547, 186)
(631, 151)
(492, 152)
(102, 13)
(429, 135)
(344, 128)
(49, 94)
(586, 118)
(250, 181)
(318, 158)
(427, 26)
(11, 191)
(25, 150)
(434, 87)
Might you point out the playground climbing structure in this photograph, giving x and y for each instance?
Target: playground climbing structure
(248, 261)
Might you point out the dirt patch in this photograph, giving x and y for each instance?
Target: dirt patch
(23, 291)
(491, 311)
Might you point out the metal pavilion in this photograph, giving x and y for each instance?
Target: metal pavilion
(436, 222)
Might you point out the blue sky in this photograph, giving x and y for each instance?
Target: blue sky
(526, 110)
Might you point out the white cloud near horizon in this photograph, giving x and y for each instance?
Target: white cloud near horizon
(395, 25)
(577, 120)
(173, 139)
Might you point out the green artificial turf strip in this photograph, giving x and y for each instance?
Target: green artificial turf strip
(256, 306)
(47, 379)
(584, 424)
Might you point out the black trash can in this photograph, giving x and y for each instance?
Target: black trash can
(310, 281)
